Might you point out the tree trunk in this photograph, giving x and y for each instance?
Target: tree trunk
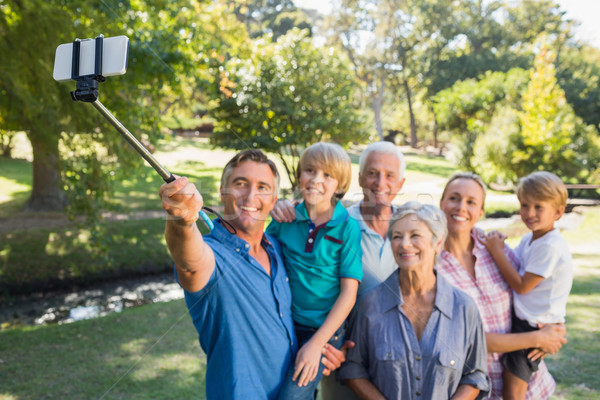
(413, 123)
(376, 105)
(47, 193)
(436, 129)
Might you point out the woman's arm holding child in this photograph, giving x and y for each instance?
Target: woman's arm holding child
(309, 356)
(494, 243)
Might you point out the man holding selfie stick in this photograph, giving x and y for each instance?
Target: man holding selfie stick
(236, 287)
(235, 284)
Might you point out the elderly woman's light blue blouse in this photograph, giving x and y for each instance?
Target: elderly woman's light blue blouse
(451, 352)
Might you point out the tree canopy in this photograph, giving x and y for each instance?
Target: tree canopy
(285, 96)
(466, 67)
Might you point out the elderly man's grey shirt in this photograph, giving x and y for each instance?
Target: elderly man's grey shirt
(452, 350)
(378, 259)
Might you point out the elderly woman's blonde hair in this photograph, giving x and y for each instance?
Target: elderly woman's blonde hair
(466, 175)
(333, 159)
(433, 217)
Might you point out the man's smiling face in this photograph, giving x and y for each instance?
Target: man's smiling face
(249, 195)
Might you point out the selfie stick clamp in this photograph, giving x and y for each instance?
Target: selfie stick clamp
(87, 85)
(87, 91)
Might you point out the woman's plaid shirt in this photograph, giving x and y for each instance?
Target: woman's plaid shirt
(493, 297)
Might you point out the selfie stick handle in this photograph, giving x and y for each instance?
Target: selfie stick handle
(162, 171)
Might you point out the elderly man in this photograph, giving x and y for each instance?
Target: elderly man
(381, 177)
(235, 284)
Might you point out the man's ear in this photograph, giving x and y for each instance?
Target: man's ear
(360, 179)
(221, 193)
(401, 184)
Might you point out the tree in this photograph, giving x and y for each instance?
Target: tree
(578, 73)
(552, 137)
(272, 17)
(541, 132)
(169, 42)
(391, 43)
(467, 108)
(285, 96)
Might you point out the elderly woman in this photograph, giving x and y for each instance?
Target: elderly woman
(416, 336)
(467, 265)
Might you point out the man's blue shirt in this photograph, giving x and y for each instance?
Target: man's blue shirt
(244, 320)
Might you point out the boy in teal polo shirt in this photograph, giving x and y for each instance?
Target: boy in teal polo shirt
(322, 254)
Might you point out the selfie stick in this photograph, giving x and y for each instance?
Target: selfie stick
(87, 91)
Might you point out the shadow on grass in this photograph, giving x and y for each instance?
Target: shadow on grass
(149, 352)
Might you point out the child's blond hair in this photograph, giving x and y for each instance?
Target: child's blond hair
(543, 185)
(333, 159)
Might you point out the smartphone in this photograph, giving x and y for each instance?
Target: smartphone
(114, 58)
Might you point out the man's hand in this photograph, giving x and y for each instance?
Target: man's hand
(181, 200)
(284, 211)
(333, 357)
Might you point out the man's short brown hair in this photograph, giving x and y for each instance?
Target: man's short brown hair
(255, 155)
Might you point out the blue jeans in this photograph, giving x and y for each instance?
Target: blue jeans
(290, 389)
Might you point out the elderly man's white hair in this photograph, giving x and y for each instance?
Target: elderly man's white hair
(385, 148)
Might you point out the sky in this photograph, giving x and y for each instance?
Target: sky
(584, 11)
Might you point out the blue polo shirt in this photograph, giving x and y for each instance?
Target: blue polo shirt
(243, 320)
(316, 258)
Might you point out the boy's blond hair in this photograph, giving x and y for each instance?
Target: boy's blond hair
(333, 159)
(543, 185)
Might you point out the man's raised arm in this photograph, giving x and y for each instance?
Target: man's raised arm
(194, 259)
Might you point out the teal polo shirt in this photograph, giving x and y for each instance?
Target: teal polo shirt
(316, 258)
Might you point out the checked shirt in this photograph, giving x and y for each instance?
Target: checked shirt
(493, 297)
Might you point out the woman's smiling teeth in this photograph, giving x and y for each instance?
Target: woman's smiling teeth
(408, 254)
(459, 218)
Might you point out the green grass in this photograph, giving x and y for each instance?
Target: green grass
(575, 368)
(37, 259)
(140, 192)
(420, 167)
(143, 353)
(15, 181)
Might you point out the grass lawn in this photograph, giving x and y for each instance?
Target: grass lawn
(143, 353)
